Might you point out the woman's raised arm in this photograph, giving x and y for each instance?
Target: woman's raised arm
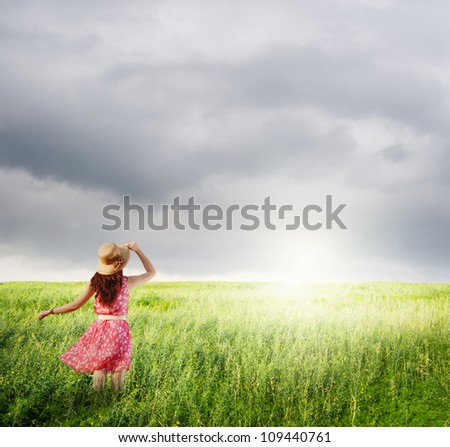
(137, 280)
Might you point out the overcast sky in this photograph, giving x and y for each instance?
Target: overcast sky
(230, 102)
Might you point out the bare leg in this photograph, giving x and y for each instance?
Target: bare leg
(117, 379)
(99, 379)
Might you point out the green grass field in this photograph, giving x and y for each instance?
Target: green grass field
(237, 354)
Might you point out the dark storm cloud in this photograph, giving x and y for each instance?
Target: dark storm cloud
(153, 99)
(411, 227)
(352, 84)
(81, 128)
(87, 143)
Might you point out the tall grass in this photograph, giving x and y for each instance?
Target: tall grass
(237, 354)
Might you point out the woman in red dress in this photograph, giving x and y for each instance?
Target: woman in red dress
(105, 347)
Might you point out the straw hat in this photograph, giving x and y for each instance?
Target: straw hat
(112, 258)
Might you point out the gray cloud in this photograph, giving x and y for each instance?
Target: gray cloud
(157, 100)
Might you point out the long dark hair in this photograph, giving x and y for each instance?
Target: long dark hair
(107, 287)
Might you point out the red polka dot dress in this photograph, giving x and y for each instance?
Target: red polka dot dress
(106, 344)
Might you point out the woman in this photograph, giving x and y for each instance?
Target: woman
(105, 347)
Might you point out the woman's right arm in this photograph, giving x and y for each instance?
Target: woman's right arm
(137, 280)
